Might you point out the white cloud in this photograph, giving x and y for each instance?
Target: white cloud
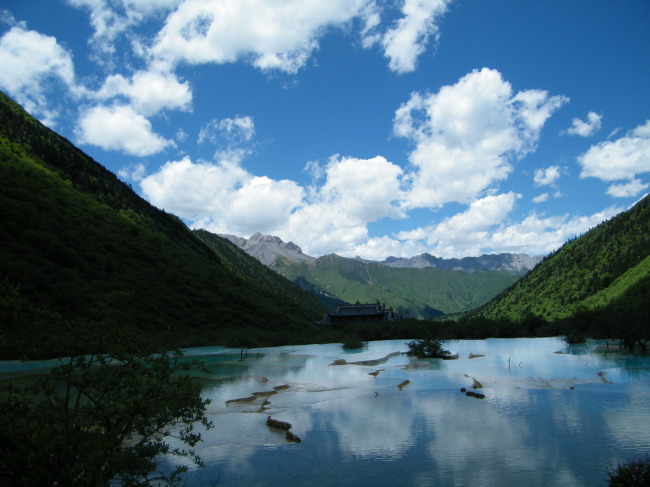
(547, 176)
(585, 128)
(222, 197)
(539, 236)
(379, 248)
(119, 128)
(112, 18)
(408, 39)
(149, 92)
(6, 17)
(371, 18)
(355, 192)
(627, 190)
(225, 198)
(466, 233)
(485, 227)
(134, 172)
(233, 131)
(623, 158)
(271, 35)
(33, 67)
(540, 198)
(468, 134)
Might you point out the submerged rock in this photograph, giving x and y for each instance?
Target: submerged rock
(339, 361)
(242, 399)
(403, 384)
(291, 438)
(278, 425)
(378, 361)
(477, 395)
(265, 393)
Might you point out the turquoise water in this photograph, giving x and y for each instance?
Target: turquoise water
(551, 415)
(547, 418)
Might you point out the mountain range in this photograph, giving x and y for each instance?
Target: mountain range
(420, 287)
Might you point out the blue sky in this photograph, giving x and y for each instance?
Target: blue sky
(356, 127)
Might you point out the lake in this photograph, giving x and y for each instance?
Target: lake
(552, 414)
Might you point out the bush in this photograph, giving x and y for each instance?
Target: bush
(353, 343)
(427, 348)
(634, 473)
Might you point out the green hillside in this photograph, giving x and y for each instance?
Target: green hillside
(586, 273)
(418, 293)
(78, 247)
(597, 284)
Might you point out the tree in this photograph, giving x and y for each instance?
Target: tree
(101, 420)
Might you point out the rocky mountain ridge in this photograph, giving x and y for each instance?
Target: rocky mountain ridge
(268, 249)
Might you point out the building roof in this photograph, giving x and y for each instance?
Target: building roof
(359, 310)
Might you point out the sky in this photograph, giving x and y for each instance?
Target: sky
(368, 128)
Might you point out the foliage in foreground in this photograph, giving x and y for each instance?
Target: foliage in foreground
(427, 348)
(101, 420)
(634, 473)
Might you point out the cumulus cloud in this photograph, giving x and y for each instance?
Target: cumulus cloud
(547, 176)
(354, 193)
(271, 35)
(119, 128)
(112, 18)
(467, 135)
(39, 65)
(627, 190)
(148, 92)
(232, 131)
(222, 197)
(408, 39)
(585, 128)
(539, 236)
(623, 158)
(469, 231)
(486, 227)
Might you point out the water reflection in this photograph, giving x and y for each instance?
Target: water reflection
(548, 418)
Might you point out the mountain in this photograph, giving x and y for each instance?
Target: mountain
(419, 287)
(80, 251)
(268, 249)
(515, 263)
(602, 276)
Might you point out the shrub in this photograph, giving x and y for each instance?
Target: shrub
(427, 348)
(353, 343)
(634, 473)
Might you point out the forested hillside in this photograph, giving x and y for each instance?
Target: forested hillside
(599, 282)
(79, 247)
(417, 293)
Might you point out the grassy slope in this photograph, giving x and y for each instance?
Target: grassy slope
(415, 292)
(587, 273)
(82, 246)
